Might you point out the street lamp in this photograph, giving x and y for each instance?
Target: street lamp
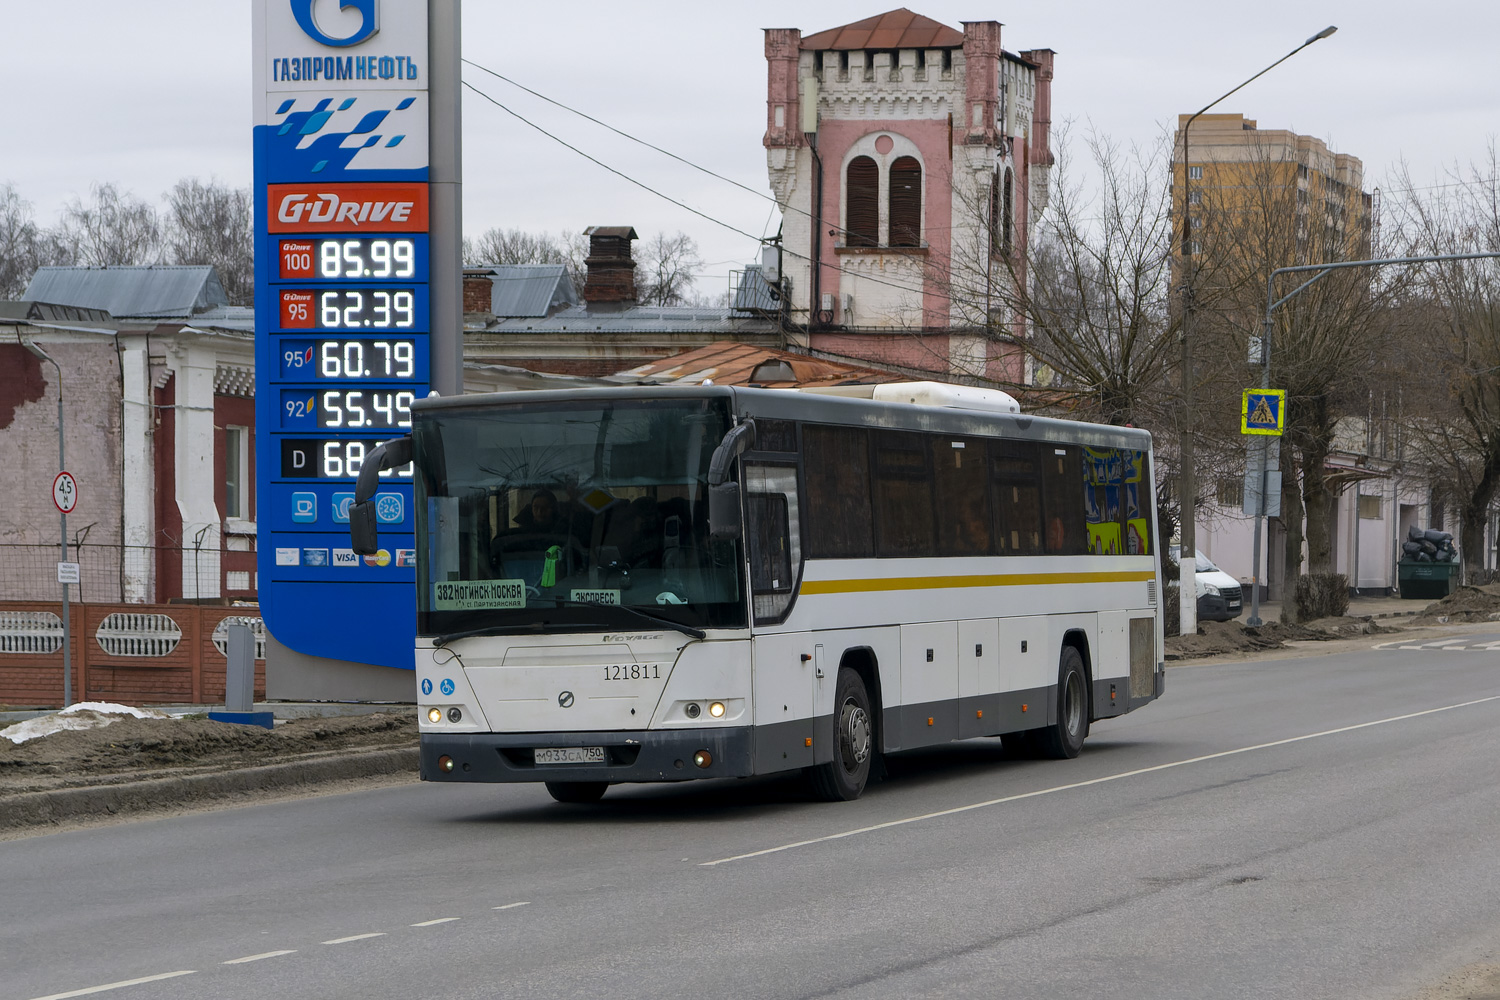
(62, 538)
(1187, 486)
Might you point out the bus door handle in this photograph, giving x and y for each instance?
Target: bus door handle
(818, 661)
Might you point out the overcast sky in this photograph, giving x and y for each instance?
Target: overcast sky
(143, 93)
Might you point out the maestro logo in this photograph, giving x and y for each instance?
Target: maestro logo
(369, 22)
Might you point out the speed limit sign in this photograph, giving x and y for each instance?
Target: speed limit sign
(65, 492)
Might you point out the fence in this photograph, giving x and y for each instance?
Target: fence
(217, 570)
(129, 653)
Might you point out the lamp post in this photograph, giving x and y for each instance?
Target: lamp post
(62, 537)
(1186, 478)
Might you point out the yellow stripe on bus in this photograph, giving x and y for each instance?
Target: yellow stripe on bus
(953, 582)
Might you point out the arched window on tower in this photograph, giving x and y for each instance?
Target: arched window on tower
(862, 203)
(906, 202)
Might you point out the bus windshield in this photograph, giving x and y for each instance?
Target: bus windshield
(563, 515)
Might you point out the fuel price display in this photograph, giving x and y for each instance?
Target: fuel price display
(349, 308)
(354, 409)
(362, 258)
(351, 359)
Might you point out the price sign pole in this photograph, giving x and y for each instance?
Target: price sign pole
(65, 497)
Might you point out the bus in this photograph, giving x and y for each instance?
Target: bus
(661, 583)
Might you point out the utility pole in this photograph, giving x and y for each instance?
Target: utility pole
(1187, 488)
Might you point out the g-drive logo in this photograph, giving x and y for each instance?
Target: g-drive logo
(391, 207)
(369, 22)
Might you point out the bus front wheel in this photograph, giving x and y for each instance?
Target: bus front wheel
(843, 778)
(577, 791)
(1064, 738)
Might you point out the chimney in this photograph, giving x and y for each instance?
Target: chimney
(477, 289)
(611, 269)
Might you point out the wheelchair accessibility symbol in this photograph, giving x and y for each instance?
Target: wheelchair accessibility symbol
(446, 687)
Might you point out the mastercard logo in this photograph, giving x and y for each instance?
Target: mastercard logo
(380, 558)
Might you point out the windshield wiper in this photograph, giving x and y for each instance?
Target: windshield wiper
(688, 630)
(443, 640)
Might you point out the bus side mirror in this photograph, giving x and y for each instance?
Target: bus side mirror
(724, 522)
(364, 532)
(724, 495)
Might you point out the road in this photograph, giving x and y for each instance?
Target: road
(1320, 827)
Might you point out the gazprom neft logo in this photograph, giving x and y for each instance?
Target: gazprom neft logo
(369, 22)
(321, 68)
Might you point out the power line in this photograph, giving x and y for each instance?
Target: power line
(918, 289)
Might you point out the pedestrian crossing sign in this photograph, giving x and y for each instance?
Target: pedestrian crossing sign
(1263, 411)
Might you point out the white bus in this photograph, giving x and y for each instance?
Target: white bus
(661, 583)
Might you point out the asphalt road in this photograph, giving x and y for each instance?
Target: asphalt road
(1321, 827)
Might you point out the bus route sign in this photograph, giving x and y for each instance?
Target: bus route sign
(1263, 411)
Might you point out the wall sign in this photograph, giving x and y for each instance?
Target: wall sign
(341, 306)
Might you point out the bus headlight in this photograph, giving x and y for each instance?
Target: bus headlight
(716, 709)
(692, 710)
(434, 715)
(454, 715)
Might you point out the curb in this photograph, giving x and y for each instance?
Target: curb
(34, 809)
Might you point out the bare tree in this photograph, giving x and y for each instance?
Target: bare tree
(1455, 315)
(113, 228)
(1092, 287)
(1330, 342)
(513, 246)
(210, 224)
(24, 246)
(665, 268)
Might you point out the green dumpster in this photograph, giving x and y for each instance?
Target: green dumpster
(1427, 580)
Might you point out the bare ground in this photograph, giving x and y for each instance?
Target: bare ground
(137, 749)
(1221, 638)
(1466, 604)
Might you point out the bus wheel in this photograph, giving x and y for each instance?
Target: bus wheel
(1064, 738)
(843, 778)
(577, 791)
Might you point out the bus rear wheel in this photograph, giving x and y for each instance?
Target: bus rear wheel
(1064, 738)
(843, 778)
(577, 791)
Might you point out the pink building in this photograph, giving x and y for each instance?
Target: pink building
(909, 158)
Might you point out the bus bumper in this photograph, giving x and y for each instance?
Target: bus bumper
(647, 755)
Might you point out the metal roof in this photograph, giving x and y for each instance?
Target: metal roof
(157, 291)
(529, 289)
(754, 293)
(632, 319)
(51, 311)
(732, 363)
(895, 29)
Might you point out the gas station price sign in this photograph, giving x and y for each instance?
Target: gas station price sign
(343, 324)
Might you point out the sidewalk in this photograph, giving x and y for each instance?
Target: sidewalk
(1373, 607)
(281, 709)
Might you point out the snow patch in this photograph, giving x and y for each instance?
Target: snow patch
(83, 715)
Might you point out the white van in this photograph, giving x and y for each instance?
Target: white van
(1220, 598)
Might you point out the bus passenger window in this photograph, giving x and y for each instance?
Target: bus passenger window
(1063, 500)
(1017, 488)
(836, 461)
(770, 553)
(963, 515)
(903, 496)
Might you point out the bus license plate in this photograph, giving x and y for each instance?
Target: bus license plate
(570, 755)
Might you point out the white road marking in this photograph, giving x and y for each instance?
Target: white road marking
(116, 986)
(1092, 781)
(257, 958)
(439, 920)
(1440, 643)
(355, 937)
(511, 906)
